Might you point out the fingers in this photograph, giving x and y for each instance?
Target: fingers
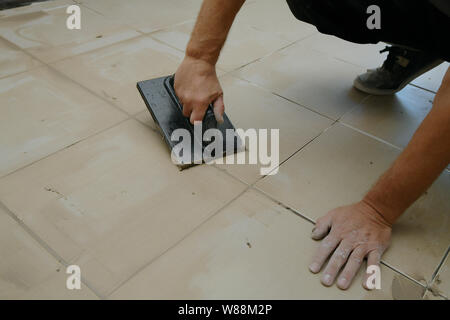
(337, 260)
(198, 113)
(219, 109)
(351, 268)
(373, 267)
(321, 228)
(326, 247)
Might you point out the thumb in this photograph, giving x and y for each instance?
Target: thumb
(219, 108)
(321, 228)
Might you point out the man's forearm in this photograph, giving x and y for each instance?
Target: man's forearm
(211, 29)
(425, 157)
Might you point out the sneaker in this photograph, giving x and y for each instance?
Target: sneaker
(400, 68)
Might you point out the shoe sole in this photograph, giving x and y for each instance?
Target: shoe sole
(382, 92)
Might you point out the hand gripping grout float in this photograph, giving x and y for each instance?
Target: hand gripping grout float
(167, 112)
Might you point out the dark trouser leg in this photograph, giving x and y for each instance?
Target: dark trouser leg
(414, 24)
(416, 27)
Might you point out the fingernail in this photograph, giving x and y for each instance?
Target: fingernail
(327, 280)
(342, 283)
(314, 267)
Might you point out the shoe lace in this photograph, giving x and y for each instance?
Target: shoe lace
(395, 53)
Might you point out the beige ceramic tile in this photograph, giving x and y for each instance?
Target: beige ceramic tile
(275, 18)
(27, 271)
(251, 107)
(364, 55)
(146, 15)
(44, 33)
(308, 77)
(13, 61)
(115, 201)
(392, 118)
(112, 72)
(338, 168)
(244, 44)
(42, 112)
(253, 249)
(433, 78)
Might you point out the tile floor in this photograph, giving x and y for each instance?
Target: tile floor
(86, 179)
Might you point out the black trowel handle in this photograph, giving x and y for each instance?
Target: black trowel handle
(209, 120)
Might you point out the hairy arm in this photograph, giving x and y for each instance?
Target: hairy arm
(196, 82)
(425, 157)
(363, 230)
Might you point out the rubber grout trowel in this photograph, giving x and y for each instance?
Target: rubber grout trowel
(166, 110)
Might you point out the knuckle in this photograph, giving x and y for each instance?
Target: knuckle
(319, 221)
(328, 242)
(341, 254)
(356, 257)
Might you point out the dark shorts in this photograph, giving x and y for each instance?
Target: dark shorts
(411, 23)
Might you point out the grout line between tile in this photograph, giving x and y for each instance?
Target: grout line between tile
(294, 211)
(168, 27)
(162, 42)
(20, 72)
(402, 273)
(130, 26)
(371, 136)
(145, 265)
(439, 266)
(232, 176)
(92, 9)
(419, 87)
(45, 246)
(301, 105)
(271, 53)
(358, 105)
(234, 75)
(301, 148)
(66, 147)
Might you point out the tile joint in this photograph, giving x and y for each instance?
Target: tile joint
(45, 246)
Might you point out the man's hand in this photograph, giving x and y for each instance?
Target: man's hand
(350, 234)
(196, 85)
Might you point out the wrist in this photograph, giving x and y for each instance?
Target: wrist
(198, 66)
(207, 50)
(383, 214)
(200, 54)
